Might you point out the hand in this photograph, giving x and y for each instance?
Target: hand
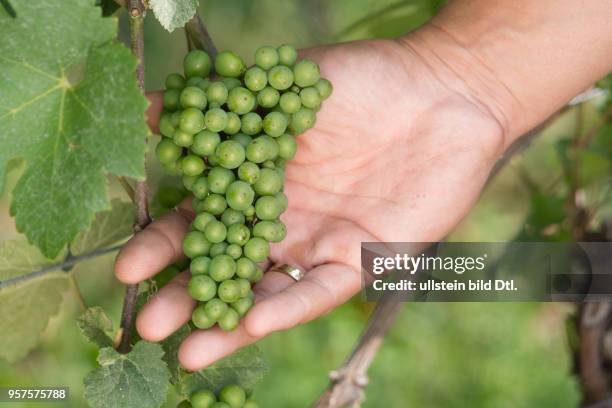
(396, 155)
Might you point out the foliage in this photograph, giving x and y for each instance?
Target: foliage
(173, 14)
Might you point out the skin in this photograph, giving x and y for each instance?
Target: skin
(400, 152)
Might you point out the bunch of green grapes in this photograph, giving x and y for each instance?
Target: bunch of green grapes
(230, 396)
(229, 136)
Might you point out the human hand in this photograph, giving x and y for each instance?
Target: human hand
(399, 152)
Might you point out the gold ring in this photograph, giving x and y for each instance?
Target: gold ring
(293, 271)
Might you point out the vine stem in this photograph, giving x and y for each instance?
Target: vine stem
(63, 266)
(198, 36)
(136, 10)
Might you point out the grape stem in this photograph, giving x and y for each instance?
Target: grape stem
(198, 36)
(136, 11)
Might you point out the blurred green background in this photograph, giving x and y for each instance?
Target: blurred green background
(437, 355)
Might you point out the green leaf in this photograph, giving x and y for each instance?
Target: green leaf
(25, 305)
(173, 14)
(72, 109)
(245, 367)
(96, 326)
(108, 228)
(171, 346)
(138, 379)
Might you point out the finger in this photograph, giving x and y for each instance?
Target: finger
(204, 347)
(320, 290)
(152, 249)
(167, 311)
(154, 110)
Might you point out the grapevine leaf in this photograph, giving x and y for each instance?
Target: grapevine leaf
(72, 109)
(171, 346)
(96, 326)
(173, 14)
(26, 305)
(245, 367)
(138, 379)
(108, 227)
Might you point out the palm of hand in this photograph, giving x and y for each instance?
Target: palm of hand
(394, 156)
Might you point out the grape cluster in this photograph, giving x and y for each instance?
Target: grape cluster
(230, 396)
(230, 136)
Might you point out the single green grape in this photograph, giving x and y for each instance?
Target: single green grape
(192, 120)
(302, 120)
(229, 64)
(238, 234)
(222, 267)
(195, 244)
(184, 404)
(269, 183)
(202, 288)
(214, 204)
(325, 88)
(267, 208)
(201, 320)
(243, 139)
(233, 395)
(258, 275)
(306, 73)
(167, 152)
(272, 231)
(217, 92)
(218, 249)
(201, 220)
(274, 124)
(242, 305)
(234, 250)
(219, 179)
(255, 79)
(257, 249)
(205, 142)
(282, 200)
(261, 149)
(171, 99)
(194, 81)
(215, 119)
(310, 98)
(290, 102)
(166, 128)
(244, 287)
(215, 231)
(233, 124)
(266, 57)
(268, 164)
(199, 265)
(248, 172)
(231, 83)
(175, 81)
(240, 100)
(193, 97)
(200, 188)
(287, 55)
(229, 291)
(230, 154)
(231, 216)
(182, 138)
(280, 77)
(268, 97)
(251, 123)
(189, 181)
(271, 147)
(287, 146)
(203, 399)
(197, 63)
(215, 308)
(245, 268)
(192, 165)
(240, 195)
(229, 321)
